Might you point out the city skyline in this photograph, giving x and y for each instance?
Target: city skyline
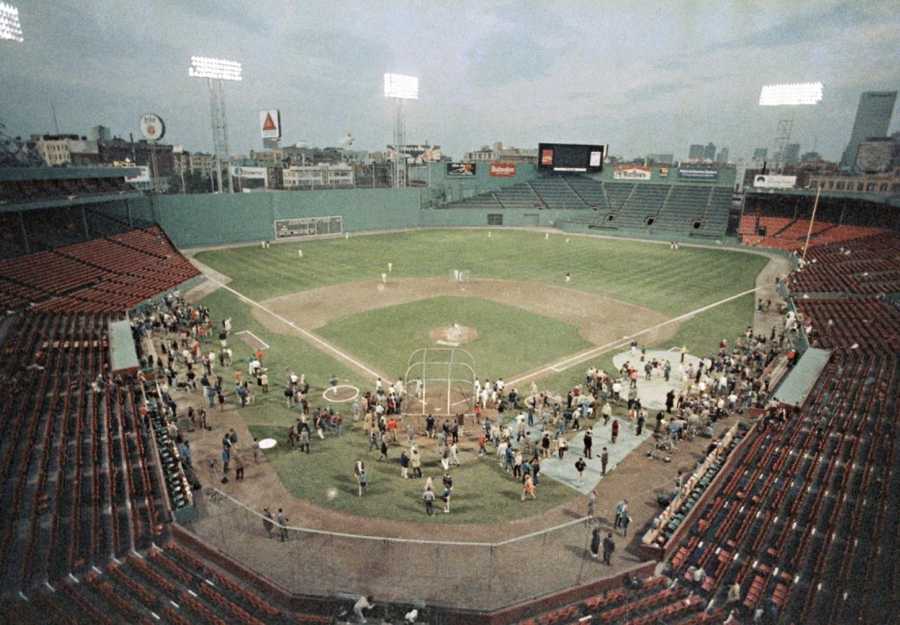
(510, 72)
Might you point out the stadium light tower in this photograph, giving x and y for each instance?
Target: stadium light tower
(793, 95)
(399, 87)
(10, 27)
(216, 72)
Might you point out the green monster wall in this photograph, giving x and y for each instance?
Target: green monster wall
(213, 219)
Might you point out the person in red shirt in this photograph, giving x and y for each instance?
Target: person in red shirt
(615, 430)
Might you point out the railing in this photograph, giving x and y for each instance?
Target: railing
(474, 575)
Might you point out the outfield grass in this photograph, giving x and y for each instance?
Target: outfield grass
(648, 274)
(510, 340)
(483, 492)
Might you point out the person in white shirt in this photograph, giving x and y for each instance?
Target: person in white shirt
(363, 603)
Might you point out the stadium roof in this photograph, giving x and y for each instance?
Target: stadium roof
(65, 173)
(892, 200)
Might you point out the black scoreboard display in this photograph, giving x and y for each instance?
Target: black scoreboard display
(570, 157)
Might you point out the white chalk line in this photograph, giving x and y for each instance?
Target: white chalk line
(267, 346)
(562, 365)
(325, 345)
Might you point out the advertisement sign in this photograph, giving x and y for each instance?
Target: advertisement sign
(270, 124)
(632, 172)
(547, 157)
(771, 181)
(248, 173)
(664, 172)
(460, 169)
(503, 170)
(698, 174)
(152, 127)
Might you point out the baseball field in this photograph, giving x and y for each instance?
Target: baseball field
(330, 313)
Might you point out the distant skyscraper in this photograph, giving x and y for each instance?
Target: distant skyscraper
(760, 154)
(722, 156)
(695, 152)
(873, 118)
(709, 152)
(791, 154)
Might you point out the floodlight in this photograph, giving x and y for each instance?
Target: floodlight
(401, 87)
(10, 28)
(217, 69)
(791, 94)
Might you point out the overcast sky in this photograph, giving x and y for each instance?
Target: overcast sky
(640, 76)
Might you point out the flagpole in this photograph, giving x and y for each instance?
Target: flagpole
(812, 220)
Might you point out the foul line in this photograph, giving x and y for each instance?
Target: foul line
(324, 345)
(562, 365)
(265, 345)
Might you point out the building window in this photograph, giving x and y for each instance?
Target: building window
(495, 219)
(831, 184)
(840, 186)
(870, 186)
(883, 187)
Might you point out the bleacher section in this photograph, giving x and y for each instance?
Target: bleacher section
(789, 234)
(79, 484)
(698, 210)
(867, 323)
(864, 266)
(799, 526)
(654, 600)
(172, 584)
(103, 275)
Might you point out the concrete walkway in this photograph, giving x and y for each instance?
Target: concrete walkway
(564, 470)
(652, 393)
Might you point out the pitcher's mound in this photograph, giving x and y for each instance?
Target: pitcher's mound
(453, 335)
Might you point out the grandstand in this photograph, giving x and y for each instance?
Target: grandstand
(632, 207)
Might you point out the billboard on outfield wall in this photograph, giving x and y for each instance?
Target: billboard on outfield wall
(270, 124)
(460, 169)
(698, 173)
(771, 181)
(249, 173)
(308, 226)
(631, 172)
(503, 170)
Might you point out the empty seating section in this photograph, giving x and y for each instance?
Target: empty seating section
(655, 600)
(643, 205)
(556, 193)
(798, 525)
(862, 266)
(591, 192)
(789, 234)
(78, 483)
(866, 323)
(170, 584)
(696, 210)
(113, 274)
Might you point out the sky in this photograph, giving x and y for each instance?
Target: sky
(640, 76)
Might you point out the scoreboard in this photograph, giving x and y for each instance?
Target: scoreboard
(570, 157)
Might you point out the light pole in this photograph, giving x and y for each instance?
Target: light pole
(216, 72)
(10, 27)
(794, 94)
(399, 87)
